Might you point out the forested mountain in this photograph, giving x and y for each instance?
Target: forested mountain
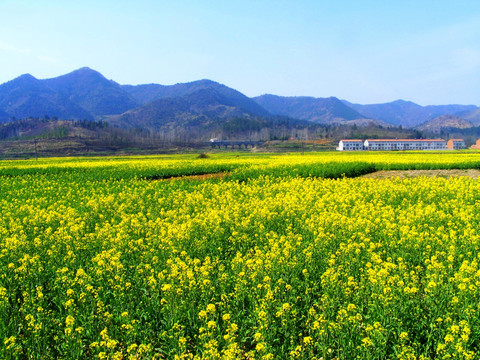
(407, 113)
(205, 111)
(93, 92)
(27, 96)
(85, 94)
(4, 117)
(317, 110)
(146, 93)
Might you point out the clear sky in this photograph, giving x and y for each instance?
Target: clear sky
(426, 51)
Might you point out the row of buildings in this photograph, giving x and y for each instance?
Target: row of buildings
(401, 144)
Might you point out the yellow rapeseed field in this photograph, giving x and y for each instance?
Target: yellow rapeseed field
(286, 257)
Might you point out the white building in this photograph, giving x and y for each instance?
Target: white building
(405, 144)
(350, 145)
(456, 144)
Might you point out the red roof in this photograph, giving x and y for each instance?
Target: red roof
(351, 140)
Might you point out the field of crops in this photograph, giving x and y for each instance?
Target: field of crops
(285, 257)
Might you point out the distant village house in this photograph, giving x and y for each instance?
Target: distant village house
(401, 144)
(456, 144)
(350, 145)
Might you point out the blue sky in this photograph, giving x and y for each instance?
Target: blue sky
(362, 51)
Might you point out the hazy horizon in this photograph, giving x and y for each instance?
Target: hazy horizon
(374, 52)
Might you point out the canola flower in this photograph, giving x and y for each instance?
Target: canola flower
(100, 260)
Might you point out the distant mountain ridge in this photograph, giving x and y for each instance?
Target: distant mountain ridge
(87, 94)
(407, 113)
(93, 92)
(27, 96)
(150, 92)
(198, 109)
(317, 110)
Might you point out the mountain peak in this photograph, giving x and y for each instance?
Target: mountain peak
(334, 98)
(85, 72)
(25, 78)
(205, 82)
(403, 102)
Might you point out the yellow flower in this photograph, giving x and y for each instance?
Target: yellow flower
(69, 320)
(449, 338)
(166, 287)
(211, 324)
(260, 347)
(367, 341)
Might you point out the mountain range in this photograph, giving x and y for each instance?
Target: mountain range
(198, 105)
(317, 110)
(407, 113)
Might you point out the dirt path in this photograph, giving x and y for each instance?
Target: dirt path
(385, 174)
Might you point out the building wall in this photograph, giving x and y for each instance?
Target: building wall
(350, 145)
(390, 145)
(404, 145)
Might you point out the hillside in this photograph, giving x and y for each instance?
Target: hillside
(147, 93)
(442, 122)
(190, 110)
(93, 92)
(4, 117)
(27, 96)
(407, 113)
(317, 110)
(473, 116)
(196, 106)
(203, 114)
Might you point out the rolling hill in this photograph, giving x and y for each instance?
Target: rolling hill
(93, 92)
(316, 110)
(407, 113)
(202, 110)
(147, 93)
(445, 121)
(27, 96)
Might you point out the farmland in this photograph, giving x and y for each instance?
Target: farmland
(283, 257)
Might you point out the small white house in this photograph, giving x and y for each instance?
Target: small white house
(350, 145)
